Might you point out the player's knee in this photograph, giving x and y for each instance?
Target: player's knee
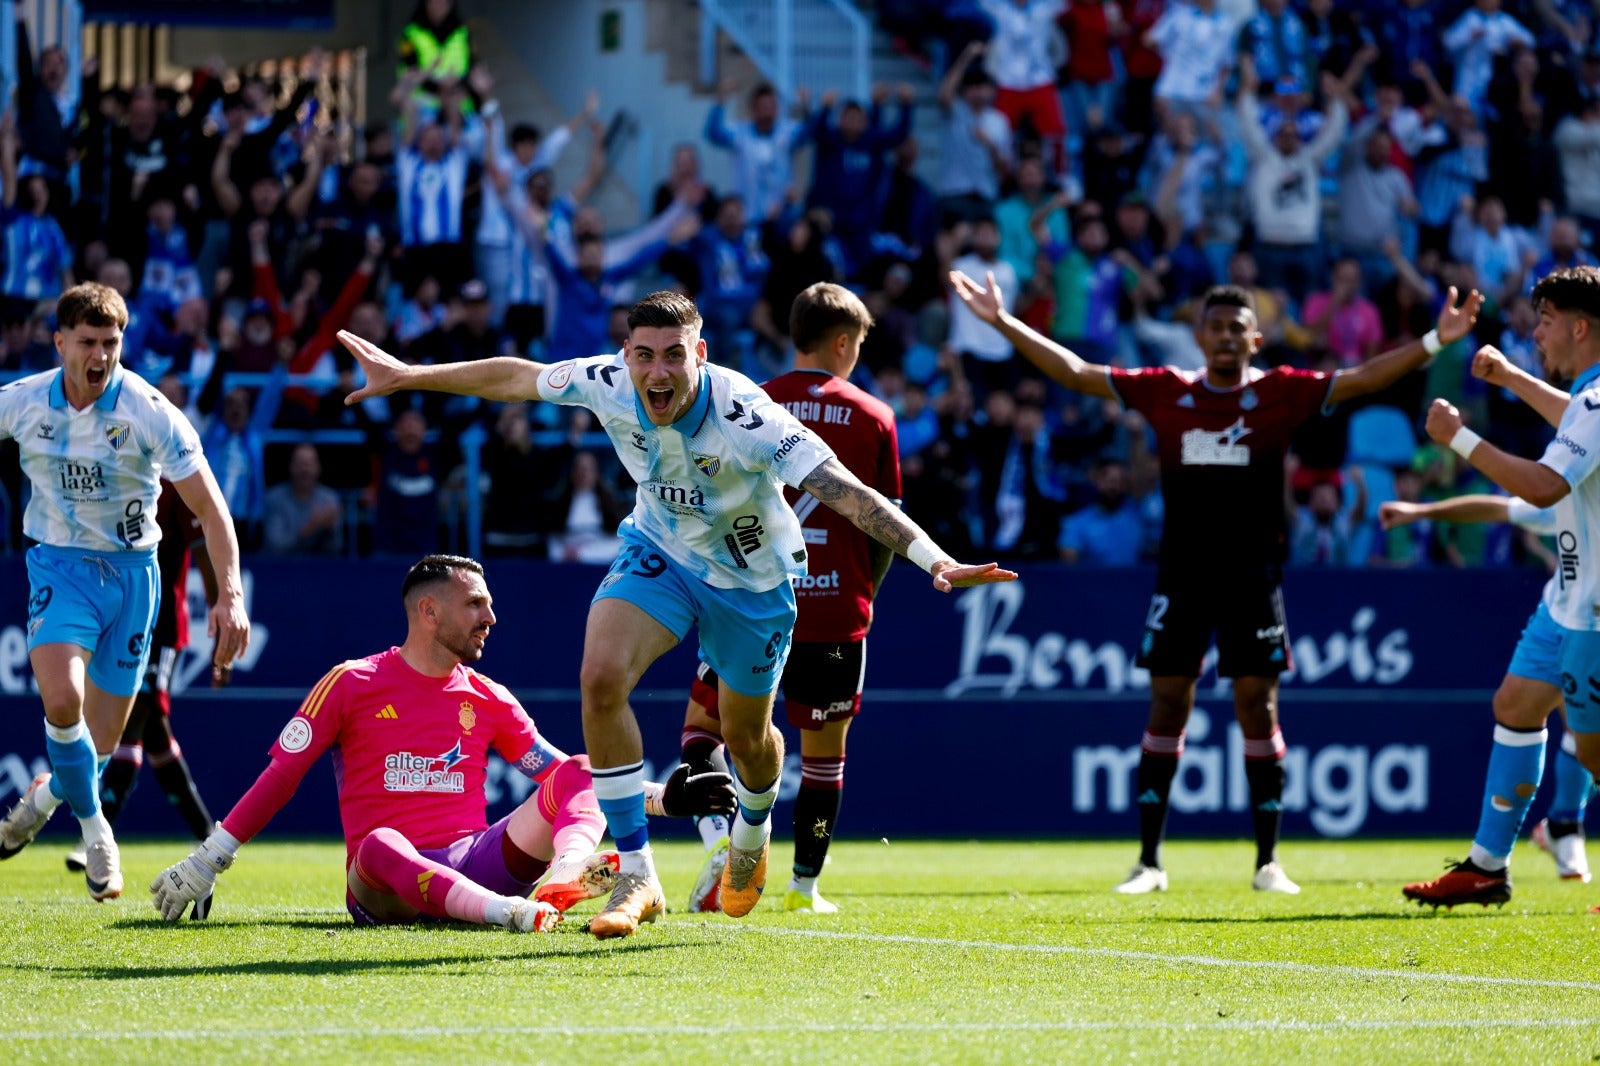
(602, 684)
(1513, 709)
(380, 840)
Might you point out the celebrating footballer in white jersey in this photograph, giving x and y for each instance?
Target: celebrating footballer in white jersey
(1558, 659)
(709, 492)
(710, 545)
(96, 442)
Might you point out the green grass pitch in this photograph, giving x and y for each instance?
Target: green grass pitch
(942, 952)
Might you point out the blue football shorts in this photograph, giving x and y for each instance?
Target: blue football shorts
(1566, 658)
(103, 602)
(745, 636)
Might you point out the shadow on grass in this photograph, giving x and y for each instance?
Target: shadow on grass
(320, 967)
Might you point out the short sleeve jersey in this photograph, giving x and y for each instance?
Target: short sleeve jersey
(835, 595)
(96, 473)
(1573, 595)
(410, 752)
(1222, 454)
(710, 485)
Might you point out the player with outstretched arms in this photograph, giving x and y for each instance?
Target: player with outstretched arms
(1221, 435)
(96, 442)
(1561, 646)
(411, 729)
(710, 544)
(823, 678)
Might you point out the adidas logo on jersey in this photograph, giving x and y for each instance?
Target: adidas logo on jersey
(388, 712)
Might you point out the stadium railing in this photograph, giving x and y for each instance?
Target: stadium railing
(819, 44)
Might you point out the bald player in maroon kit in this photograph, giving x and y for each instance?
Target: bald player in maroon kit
(845, 568)
(1222, 436)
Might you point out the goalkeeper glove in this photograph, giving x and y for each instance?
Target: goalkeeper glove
(684, 795)
(192, 880)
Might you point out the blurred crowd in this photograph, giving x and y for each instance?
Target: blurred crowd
(1106, 161)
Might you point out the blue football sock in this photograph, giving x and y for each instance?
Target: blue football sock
(72, 761)
(620, 790)
(1574, 784)
(1515, 766)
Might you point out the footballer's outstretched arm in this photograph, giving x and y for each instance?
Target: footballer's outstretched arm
(503, 378)
(1527, 478)
(1380, 372)
(876, 516)
(1061, 364)
(1475, 508)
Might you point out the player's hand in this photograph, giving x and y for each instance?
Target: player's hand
(1490, 364)
(1456, 322)
(949, 575)
(229, 629)
(1443, 421)
(1398, 513)
(385, 373)
(190, 881)
(987, 304)
(684, 795)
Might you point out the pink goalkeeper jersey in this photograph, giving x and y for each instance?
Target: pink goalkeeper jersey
(410, 752)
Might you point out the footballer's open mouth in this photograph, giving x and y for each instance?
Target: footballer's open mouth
(95, 376)
(659, 400)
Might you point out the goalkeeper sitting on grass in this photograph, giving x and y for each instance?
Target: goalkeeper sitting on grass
(412, 728)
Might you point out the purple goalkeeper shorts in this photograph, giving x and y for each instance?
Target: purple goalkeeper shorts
(476, 856)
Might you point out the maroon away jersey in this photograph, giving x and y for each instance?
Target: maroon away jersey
(835, 596)
(1222, 457)
(180, 530)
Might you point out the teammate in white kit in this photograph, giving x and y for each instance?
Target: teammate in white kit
(96, 442)
(711, 543)
(1568, 336)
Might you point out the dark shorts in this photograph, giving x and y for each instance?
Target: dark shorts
(476, 856)
(1242, 609)
(821, 683)
(158, 671)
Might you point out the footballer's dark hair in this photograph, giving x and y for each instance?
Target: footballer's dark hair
(664, 309)
(822, 312)
(1573, 289)
(432, 569)
(1227, 296)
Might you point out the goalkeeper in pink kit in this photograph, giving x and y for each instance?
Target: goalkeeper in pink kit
(411, 730)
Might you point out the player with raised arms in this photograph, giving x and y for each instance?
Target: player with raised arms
(413, 727)
(823, 678)
(1221, 435)
(1559, 655)
(710, 544)
(96, 442)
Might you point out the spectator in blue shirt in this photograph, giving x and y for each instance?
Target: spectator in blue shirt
(732, 269)
(38, 260)
(763, 147)
(849, 165)
(1110, 531)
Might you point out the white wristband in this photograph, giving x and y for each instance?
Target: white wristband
(924, 552)
(1464, 441)
(1431, 342)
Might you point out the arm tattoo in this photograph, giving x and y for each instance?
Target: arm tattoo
(870, 512)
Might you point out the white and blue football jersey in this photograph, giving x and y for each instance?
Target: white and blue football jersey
(1573, 594)
(96, 473)
(710, 484)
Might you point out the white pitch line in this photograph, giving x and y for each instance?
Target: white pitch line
(1184, 960)
(214, 1036)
